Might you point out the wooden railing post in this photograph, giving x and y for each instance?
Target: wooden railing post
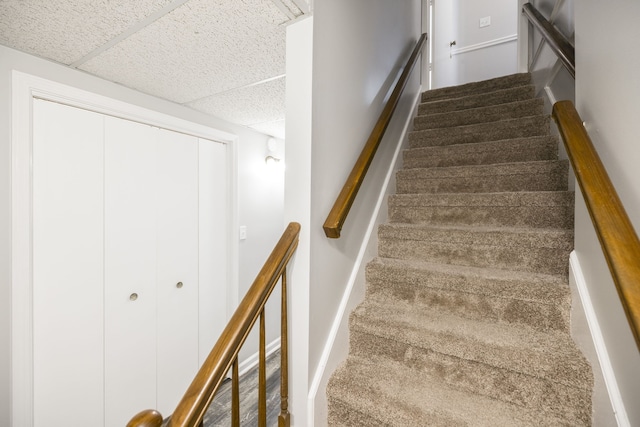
(284, 418)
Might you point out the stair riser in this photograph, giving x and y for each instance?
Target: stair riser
(494, 113)
(477, 87)
(554, 180)
(543, 317)
(521, 93)
(481, 154)
(560, 217)
(484, 132)
(571, 403)
(537, 259)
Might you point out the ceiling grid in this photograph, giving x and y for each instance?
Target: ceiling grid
(222, 57)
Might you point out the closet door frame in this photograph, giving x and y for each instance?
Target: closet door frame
(26, 88)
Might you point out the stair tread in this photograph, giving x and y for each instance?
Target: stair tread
(507, 198)
(484, 86)
(430, 151)
(537, 125)
(484, 114)
(474, 235)
(529, 286)
(476, 100)
(550, 355)
(390, 394)
(517, 168)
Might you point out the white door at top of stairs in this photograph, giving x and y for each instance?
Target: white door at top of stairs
(129, 272)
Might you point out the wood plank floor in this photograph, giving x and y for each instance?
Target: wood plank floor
(219, 413)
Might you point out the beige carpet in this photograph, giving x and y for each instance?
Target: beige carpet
(466, 316)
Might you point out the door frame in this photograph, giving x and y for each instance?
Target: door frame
(25, 88)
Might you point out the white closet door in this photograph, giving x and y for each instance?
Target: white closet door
(130, 269)
(67, 265)
(214, 250)
(177, 269)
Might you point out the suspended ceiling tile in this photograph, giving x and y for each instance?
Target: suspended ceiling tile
(264, 102)
(271, 128)
(64, 30)
(199, 49)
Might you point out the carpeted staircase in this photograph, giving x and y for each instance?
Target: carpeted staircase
(466, 316)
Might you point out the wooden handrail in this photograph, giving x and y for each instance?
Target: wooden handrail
(617, 236)
(191, 409)
(557, 41)
(335, 220)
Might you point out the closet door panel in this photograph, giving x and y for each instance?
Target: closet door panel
(177, 268)
(67, 265)
(214, 228)
(130, 269)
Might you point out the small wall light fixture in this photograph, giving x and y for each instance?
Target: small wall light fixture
(271, 161)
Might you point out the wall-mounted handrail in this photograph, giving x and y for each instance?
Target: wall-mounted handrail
(617, 236)
(224, 355)
(556, 40)
(338, 214)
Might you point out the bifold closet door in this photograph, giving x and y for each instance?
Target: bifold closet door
(130, 260)
(177, 265)
(130, 296)
(68, 348)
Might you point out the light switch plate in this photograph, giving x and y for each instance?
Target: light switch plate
(485, 22)
(243, 232)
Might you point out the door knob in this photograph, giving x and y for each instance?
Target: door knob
(179, 285)
(133, 296)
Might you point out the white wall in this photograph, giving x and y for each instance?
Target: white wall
(607, 89)
(479, 53)
(358, 49)
(260, 197)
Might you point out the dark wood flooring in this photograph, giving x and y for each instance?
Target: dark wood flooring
(219, 413)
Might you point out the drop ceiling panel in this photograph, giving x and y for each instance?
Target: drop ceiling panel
(64, 30)
(199, 49)
(250, 105)
(276, 128)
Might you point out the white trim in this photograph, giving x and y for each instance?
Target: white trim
(484, 45)
(25, 88)
(252, 361)
(357, 266)
(599, 343)
(549, 92)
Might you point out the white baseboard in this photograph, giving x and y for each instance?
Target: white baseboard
(610, 381)
(357, 269)
(252, 361)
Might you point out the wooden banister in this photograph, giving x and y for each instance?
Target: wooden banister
(617, 236)
(556, 40)
(338, 214)
(191, 409)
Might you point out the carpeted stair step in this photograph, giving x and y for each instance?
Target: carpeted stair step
(374, 391)
(541, 209)
(491, 85)
(518, 365)
(540, 301)
(519, 93)
(493, 113)
(530, 176)
(522, 249)
(505, 151)
(481, 132)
